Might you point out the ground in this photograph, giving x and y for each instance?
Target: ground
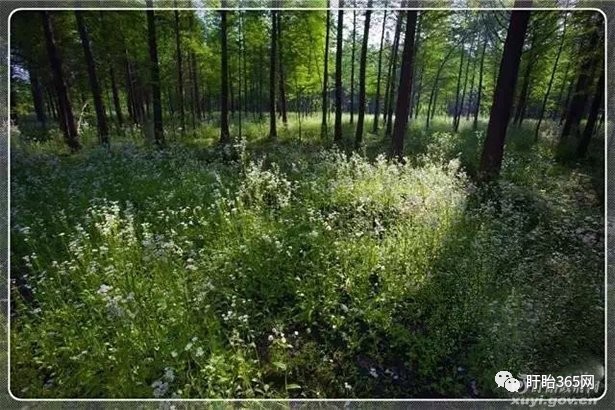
(291, 268)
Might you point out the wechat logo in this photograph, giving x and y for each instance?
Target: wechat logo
(505, 379)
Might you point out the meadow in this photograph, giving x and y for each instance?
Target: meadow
(298, 269)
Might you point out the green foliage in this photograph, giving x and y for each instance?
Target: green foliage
(289, 270)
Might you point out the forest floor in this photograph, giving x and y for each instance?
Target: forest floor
(288, 269)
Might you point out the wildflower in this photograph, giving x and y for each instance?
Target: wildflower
(103, 289)
(373, 373)
(199, 352)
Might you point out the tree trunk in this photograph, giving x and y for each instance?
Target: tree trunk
(272, 120)
(281, 72)
(352, 61)
(463, 93)
(180, 73)
(456, 112)
(391, 96)
(323, 127)
(67, 120)
(155, 76)
(377, 103)
(593, 116)
(116, 98)
(37, 97)
(405, 88)
(225, 135)
(362, 71)
(493, 149)
(479, 91)
(338, 76)
(580, 96)
(99, 106)
(546, 97)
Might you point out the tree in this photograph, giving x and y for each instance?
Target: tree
(272, 123)
(37, 97)
(281, 71)
(402, 108)
(67, 119)
(493, 148)
(479, 91)
(338, 76)
(180, 73)
(377, 103)
(593, 116)
(99, 106)
(323, 127)
(362, 71)
(225, 135)
(352, 60)
(155, 75)
(576, 108)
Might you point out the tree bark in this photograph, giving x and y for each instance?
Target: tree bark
(393, 78)
(225, 135)
(405, 88)
(37, 97)
(377, 103)
(362, 71)
(281, 72)
(323, 127)
(338, 76)
(272, 120)
(99, 106)
(67, 119)
(479, 91)
(352, 61)
(180, 73)
(493, 149)
(155, 76)
(116, 98)
(593, 117)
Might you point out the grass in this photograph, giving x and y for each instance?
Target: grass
(294, 269)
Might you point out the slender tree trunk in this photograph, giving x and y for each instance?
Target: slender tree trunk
(579, 98)
(225, 135)
(99, 106)
(523, 96)
(458, 92)
(323, 127)
(471, 92)
(493, 149)
(405, 88)
(391, 96)
(551, 78)
(463, 93)
(116, 98)
(593, 116)
(479, 91)
(338, 76)
(281, 69)
(180, 73)
(272, 120)
(417, 104)
(558, 110)
(155, 76)
(377, 103)
(67, 120)
(37, 97)
(352, 63)
(362, 71)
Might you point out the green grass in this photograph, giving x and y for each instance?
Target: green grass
(292, 269)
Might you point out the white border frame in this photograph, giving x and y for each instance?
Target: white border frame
(384, 399)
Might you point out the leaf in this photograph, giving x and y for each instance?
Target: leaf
(280, 365)
(293, 386)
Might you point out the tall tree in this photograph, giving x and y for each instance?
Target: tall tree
(281, 72)
(493, 148)
(402, 108)
(323, 127)
(67, 119)
(99, 106)
(352, 61)
(225, 135)
(392, 79)
(180, 72)
(576, 108)
(155, 75)
(362, 71)
(551, 78)
(272, 120)
(479, 91)
(593, 117)
(37, 97)
(116, 98)
(339, 91)
(377, 102)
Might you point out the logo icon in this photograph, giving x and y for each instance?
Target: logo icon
(504, 379)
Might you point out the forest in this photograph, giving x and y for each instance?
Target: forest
(359, 199)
